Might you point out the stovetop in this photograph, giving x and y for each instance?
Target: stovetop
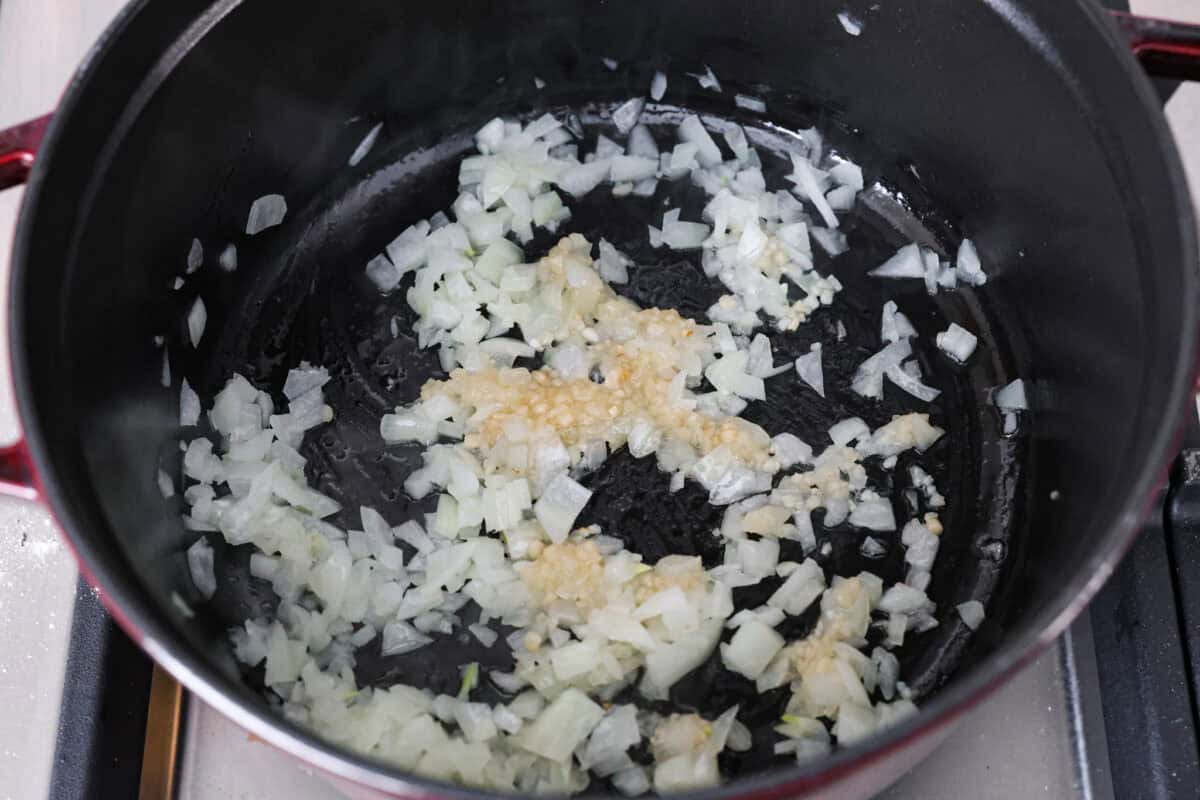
(1108, 712)
(1033, 739)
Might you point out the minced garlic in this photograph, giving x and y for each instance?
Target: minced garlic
(643, 357)
(572, 570)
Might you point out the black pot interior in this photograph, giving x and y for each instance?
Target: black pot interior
(986, 130)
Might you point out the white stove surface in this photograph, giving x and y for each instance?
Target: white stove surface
(1031, 740)
(1034, 733)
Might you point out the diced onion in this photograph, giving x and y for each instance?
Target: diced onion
(750, 103)
(895, 324)
(559, 505)
(266, 212)
(228, 260)
(848, 430)
(197, 318)
(751, 649)
(200, 565)
(808, 366)
(850, 24)
(800, 589)
(692, 131)
(658, 86)
(957, 342)
(971, 613)
(707, 79)
(874, 514)
(1011, 397)
(728, 374)
(906, 263)
(189, 405)
(872, 548)
(365, 145)
(399, 638)
(562, 726)
(627, 114)
(195, 256)
(907, 383)
(968, 266)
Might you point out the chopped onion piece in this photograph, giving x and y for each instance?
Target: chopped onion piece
(200, 565)
(667, 664)
(658, 86)
(228, 260)
(707, 80)
(868, 378)
(848, 174)
(728, 374)
(851, 25)
(266, 212)
(627, 114)
(972, 613)
(831, 241)
(911, 385)
(809, 368)
(789, 450)
(365, 145)
(692, 131)
(606, 748)
(562, 726)
(968, 266)
(382, 273)
(583, 178)
(399, 638)
(1010, 423)
(957, 342)
(895, 324)
(873, 513)
(486, 636)
(1011, 397)
(632, 782)
(904, 599)
(872, 548)
(303, 379)
(409, 250)
(197, 318)
(612, 264)
(189, 405)
(750, 103)
(751, 649)
(610, 64)
(906, 263)
(684, 235)
(804, 585)
(804, 175)
(631, 169)
(195, 256)
(165, 485)
(561, 502)
(848, 430)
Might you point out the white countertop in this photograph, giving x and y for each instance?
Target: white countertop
(40, 43)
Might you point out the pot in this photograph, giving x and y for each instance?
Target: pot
(1028, 126)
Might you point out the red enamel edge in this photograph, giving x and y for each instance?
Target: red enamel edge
(16, 472)
(18, 146)
(1165, 48)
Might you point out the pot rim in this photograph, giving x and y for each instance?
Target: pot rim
(150, 628)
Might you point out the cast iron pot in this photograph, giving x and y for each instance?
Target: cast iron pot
(1026, 125)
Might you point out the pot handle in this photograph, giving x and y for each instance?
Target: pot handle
(1165, 49)
(18, 145)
